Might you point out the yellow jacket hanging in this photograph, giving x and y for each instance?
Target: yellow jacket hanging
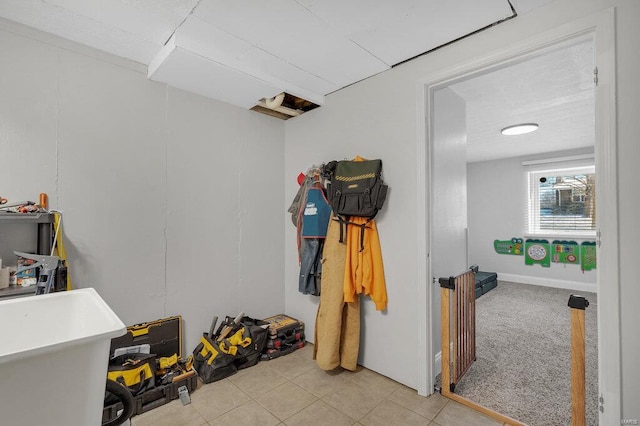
(364, 271)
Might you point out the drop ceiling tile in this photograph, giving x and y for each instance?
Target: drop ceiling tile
(426, 25)
(81, 29)
(290, 32)
(295, 80)
(188, 71)
(153, 20)
(524, 6)
(346, 17)
(209, 41)
(337, 59)
(270, 25)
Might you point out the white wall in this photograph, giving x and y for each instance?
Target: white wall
(171, 201)
(497, 194)
(362, 120)
(377, 118)
(449, 197)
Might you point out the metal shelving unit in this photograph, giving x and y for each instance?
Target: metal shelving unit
(44, 223)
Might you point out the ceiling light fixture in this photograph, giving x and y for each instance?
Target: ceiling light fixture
(519, 129)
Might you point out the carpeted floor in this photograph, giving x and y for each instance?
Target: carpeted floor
(523, 355)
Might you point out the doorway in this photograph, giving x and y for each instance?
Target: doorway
(599, 29)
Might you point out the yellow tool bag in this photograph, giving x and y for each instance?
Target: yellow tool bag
(137, 371)
(214, 361)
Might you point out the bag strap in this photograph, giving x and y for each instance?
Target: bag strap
(344, 221)
(120, 379)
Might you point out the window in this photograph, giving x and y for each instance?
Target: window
(562, 200)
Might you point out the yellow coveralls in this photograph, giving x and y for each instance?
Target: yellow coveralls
(337, 333)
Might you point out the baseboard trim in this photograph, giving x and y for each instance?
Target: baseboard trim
(548, 282)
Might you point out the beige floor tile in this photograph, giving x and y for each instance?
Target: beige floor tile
(389, 413)
(306, 351)
(247, 414)
(319, 414)
(354, 400)
(455, 414)
(251, 370)
(320, 382)
(171, 414)
(428, 407)
(257, 380)
(370, 379)
(286, 400)
(216, 398)
(291, 366)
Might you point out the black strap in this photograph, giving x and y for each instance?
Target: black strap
(134, 392)
(362, 228)
(344, 221)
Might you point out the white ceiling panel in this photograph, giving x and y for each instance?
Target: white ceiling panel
(211, 42)
(295, 81)
(276, 26)
(354, 16)
(191, 72)
(290, 32)
(152, 20)
(425, 25)
(82, 29)
(524, 6)
(337, 60)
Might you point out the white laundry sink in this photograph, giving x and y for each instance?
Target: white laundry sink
(53, 358)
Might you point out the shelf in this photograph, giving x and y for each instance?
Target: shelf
(15, 291)
(42, 217)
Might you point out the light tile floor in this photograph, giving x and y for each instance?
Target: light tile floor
(292, 390)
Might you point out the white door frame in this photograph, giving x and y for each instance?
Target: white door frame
(601, 29)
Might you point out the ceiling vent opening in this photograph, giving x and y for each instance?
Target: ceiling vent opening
(284, 106)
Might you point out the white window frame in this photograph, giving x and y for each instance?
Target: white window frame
(537, 169)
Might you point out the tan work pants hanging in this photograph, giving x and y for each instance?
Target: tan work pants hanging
(337, 331)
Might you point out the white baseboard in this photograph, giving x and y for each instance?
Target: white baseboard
(549, 282)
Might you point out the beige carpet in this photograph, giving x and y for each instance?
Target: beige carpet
(523, 365)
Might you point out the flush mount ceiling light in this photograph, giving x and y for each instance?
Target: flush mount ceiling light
(519, 129)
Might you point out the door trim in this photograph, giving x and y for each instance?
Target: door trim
(601, 28)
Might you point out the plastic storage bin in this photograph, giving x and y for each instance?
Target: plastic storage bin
(53, 358)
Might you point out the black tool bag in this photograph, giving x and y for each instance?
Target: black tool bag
(212, 362)
(258, 332)
(137, 372)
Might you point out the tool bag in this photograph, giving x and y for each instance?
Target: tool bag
(249, 355)
(137, 371)
(213, 362)
(356, 189)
